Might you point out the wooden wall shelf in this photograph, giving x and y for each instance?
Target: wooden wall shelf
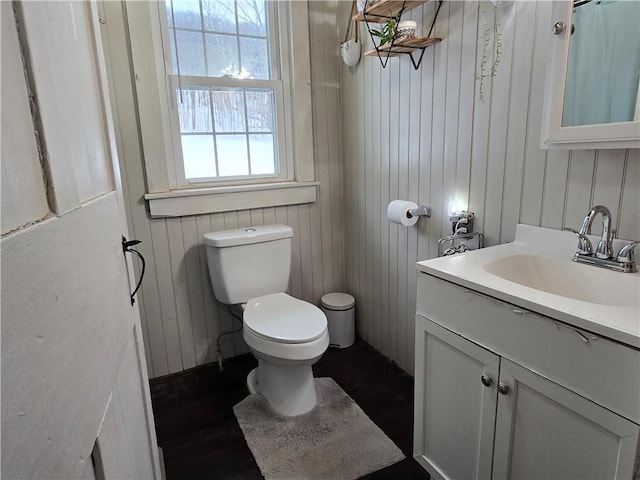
(403, 45)
(385, 10)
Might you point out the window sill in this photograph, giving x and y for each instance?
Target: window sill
(197, 201)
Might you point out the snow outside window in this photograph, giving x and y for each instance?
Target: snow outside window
(223, 92)
(224, 75)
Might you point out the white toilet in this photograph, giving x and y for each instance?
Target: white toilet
(251, 267)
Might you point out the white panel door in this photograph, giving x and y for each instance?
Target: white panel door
(122, 448)
(546, 431)
(21, 170)
(67, 320)
(454, 409)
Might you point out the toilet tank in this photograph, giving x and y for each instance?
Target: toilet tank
(249, 262)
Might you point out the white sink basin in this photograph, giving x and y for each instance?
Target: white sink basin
(536, 272)
(565, 278)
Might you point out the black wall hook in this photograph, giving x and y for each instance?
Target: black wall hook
(126, 248)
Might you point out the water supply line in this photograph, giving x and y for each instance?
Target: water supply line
(227, 332)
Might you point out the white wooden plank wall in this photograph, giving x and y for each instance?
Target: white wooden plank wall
(181, 319)
(424, 136)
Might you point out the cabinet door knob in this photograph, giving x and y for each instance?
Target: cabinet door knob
(503, 389)
(558, 28)
(486, 380)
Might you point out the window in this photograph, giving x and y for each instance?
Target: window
(229, 113)
(225, 73)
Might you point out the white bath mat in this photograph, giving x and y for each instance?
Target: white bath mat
(335, 441)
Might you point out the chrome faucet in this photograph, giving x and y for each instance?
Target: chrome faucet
(604, 246)
(603, 257)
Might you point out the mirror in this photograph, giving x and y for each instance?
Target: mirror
(593, 71)
(605, 39)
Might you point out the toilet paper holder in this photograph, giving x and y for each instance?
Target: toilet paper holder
(419, 212)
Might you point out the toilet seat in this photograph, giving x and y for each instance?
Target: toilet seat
(283, 319)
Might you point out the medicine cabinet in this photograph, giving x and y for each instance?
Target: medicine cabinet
(591, 91)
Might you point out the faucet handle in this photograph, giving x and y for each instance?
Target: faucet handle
(584, 244)
(604, 249)
(626, 253)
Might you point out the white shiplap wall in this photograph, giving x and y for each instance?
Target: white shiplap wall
(424, 136)
(180, 316)
(420, 135)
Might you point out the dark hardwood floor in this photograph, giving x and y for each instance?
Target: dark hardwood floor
(200, 436)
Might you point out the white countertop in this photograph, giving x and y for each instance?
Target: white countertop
(617, 322)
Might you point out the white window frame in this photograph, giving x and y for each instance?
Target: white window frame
(165, 195)
(283, 141)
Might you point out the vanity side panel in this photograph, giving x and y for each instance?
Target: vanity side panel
(590, 365)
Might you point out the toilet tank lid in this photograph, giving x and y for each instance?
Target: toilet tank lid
(247, 235)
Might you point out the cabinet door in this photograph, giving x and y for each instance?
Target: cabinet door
(454, 410)
(546, 431)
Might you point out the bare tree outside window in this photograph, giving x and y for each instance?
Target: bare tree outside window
(225, 131)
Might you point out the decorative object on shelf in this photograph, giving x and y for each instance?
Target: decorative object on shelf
(350, 49)
(406, 28)
(387, 11)
(385, 33)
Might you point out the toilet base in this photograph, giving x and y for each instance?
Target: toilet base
(289, 390)
(252, 381)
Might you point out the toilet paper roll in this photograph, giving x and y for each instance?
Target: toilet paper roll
(398, 210)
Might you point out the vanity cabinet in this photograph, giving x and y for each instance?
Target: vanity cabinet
(502, 392)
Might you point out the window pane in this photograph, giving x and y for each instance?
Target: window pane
(191, 53)
(219, 15)
(221, 47)
(261, 149)
(174, 66)
(260, 111)
(254, 53)
(169, 17)
(252, 18)
(228, 111)
(187, 13)
(222, 55)
(194, 110)
(232, 155)
(199, 156)
(225, 131)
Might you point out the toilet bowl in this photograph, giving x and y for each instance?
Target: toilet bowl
(251, 267)
(287, 336)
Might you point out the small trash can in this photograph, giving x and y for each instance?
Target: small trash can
(340, 311)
